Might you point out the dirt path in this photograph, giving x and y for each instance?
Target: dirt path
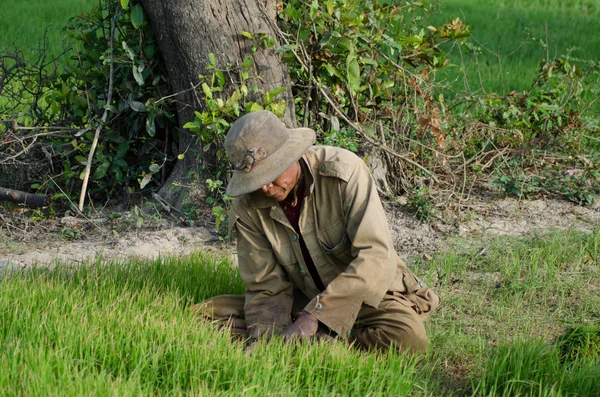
(72, 240)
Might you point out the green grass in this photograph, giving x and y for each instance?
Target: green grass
(110, 329)
(24, 23)
(503, 25)
(126, 329)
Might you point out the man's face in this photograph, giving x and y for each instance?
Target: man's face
(281, 187)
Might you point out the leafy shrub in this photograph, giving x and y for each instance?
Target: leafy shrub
(73, 99)
(134, 136)
(223, 104)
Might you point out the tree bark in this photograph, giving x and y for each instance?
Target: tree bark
(186, 32)
(18, 197)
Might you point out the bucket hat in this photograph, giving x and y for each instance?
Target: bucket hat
(261, 148)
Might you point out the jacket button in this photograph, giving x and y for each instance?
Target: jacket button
(294, 238)
(319, 306)
(322, 167)
(302, 272)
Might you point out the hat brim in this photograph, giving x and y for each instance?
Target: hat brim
(269, 169)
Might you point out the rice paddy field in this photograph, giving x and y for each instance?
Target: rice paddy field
(514, 35)
(520, 319)
(508, 32)
(23, 24)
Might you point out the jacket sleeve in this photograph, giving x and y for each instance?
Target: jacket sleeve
(269, 294)
(373, 269)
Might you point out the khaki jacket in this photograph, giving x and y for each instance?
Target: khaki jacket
(345, 230)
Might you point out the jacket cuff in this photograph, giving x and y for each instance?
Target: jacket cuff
(329, 313)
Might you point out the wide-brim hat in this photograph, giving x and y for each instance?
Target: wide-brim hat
(261, 148)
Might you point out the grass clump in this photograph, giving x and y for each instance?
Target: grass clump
(581, 342)
(534, 368)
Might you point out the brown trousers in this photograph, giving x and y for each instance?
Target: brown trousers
(394, 323)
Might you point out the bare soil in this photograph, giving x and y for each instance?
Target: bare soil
(24, 243)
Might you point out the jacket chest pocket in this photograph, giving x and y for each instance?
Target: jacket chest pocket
(335, 242)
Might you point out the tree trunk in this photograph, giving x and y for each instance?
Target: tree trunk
(31, 200)
(186, 32)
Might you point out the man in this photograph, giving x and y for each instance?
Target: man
(314, 248)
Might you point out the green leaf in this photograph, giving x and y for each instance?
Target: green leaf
(287, 48)
(137, 74)
(248, 35)
(292, 12)
(278, 108)
(255, 107)
(137, 16)
(212, 59)
(248, 61)
(220, 78)
(111, 108)
(190, 124)
(137, 106)
(234, 98)
(124, 4)
(276, 92)
(130, 53)
(36, 186)
(59, 196)
(346, 44)
(180, 156)
(353, 74)
(368, 61)
(120, 163)
(268, 42)
(81, 160)
(150, 125)
(101, 170)
(325, 39)
(207, 91)
(332, 70)
(118, 174)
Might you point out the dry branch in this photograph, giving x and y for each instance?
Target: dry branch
(88, 166)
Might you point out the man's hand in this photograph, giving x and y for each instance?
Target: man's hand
(304, 327)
